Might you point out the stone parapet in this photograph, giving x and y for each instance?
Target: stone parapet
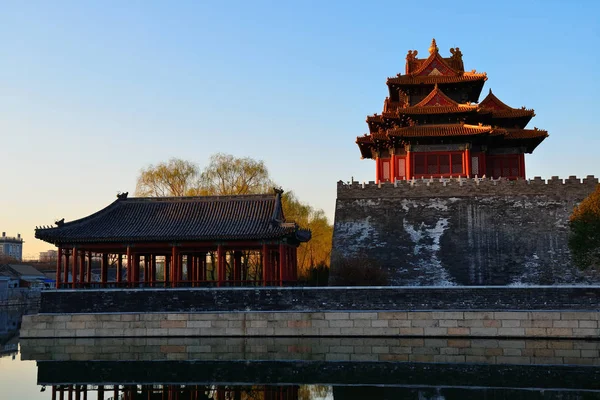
(296, 299)
(523, 324)
(468, 187)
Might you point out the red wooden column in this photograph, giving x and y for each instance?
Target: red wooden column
(282, 263)
(237, 268)
(129, 267)
(393, 161)
(58, 265)
(173, 269)
(152, 269)
(467, 161)
(136, 270)
(265, 263)
(377, 167)
(202, 273)
(104, 270)
(88, 275)
(119, 268)
(522, 162)
(66, 271)
(408, 164)
(220, 265)
(146, 269)
(82, 268)
(74, 269)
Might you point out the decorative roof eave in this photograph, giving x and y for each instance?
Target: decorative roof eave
(520, 134)
(431, 110)
(499, 109)
(514, 113)
(433, 79)
(439, 130)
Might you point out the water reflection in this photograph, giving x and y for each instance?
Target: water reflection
(222, 368)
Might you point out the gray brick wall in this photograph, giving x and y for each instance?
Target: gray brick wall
(461, 231)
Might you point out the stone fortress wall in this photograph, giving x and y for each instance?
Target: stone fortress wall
(461, 231)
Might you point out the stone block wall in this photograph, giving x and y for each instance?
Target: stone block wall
(520, 324)
(451, 350)
(461, 231)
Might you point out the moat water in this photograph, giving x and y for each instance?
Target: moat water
(293, 368)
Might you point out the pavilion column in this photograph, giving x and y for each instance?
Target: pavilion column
(237, 267)
(152, 269)
(377, 167)
(392, 165)
(88, 275)
(282, 263)
(265, 263)
(202, 273)
(468, 161)
(119, 268)
(408, 163)
(100, 392)
(74, 268)
(104, 270)
(66, 271)
(522, 164)
(146, 269)
(136, 270)
(129, 267)
(173, 269)
(58, 265)
(82, 267)
(220, 265)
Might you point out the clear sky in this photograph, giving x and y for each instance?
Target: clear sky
(92, 91)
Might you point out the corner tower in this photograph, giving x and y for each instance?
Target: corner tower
(433, 125)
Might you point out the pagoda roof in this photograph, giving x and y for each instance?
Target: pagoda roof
(518, 134)
(439, 79)
(202, 218)
(501, 110)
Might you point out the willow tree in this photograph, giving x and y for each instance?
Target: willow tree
(584, 239)
(175, 177)
(229, 175)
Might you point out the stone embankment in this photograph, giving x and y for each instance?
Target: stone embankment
(544, 312)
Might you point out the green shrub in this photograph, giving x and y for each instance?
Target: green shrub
(584, 238)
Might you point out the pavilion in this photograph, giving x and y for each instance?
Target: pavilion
(240, 240)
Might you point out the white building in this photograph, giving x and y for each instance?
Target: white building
(11, 246)
(48, 256)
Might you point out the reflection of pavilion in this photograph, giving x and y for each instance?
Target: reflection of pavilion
(175, 392)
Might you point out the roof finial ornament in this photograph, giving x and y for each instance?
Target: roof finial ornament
(433, 48)
(60, 222)
(122, 196)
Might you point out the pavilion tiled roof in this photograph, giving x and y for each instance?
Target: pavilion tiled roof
(501, 110)
(433, 79)
(203, 218)
(439, 130)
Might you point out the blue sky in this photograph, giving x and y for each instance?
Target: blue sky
(92, 91)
